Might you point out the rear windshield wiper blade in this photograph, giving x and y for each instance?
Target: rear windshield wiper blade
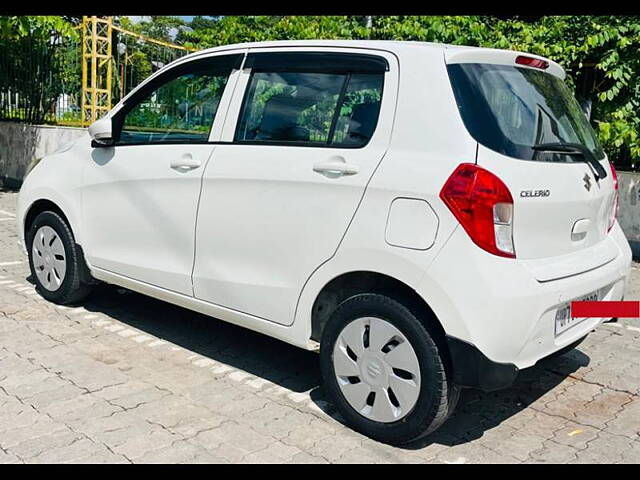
(574, 149)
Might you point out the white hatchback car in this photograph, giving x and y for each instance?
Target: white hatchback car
(421, 213)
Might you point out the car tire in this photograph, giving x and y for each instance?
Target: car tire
(57, 264)
(426, 396)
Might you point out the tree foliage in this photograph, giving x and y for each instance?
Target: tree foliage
(134, 58)
(601, 54)
(158, 27)
(33, 70)
(14, 28)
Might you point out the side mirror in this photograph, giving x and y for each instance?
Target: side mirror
(100, 132)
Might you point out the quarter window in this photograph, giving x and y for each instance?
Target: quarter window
(359, 111)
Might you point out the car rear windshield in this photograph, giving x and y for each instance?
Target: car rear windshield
(510, 109)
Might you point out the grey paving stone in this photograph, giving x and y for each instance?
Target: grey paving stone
(74, 390)
(141, 444)
(179, 452)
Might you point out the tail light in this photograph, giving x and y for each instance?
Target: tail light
(615, 207)
(483, 205)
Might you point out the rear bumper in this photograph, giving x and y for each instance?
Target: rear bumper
(472, 369)
(498, 306)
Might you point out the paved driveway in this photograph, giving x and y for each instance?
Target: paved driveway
(126, 378)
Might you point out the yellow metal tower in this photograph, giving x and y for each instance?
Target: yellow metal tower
(96, 67)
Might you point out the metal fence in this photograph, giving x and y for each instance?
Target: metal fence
(75, 80)
(37, 79)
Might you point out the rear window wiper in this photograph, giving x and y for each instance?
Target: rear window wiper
(574, 149)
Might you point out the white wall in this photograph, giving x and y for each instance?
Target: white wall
(629, 217)
(20, 143)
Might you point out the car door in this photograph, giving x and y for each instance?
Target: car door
(304, 134)
(140, 195)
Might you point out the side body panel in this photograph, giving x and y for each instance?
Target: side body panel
(58, 179)
(428, 141)
(267, 219)
(423, 151)
(139, 214)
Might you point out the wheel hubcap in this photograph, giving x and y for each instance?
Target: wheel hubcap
(377, 369)
(49, 258)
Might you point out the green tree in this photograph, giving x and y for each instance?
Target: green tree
(17, 27)
(163, 28)
(601, 54)
(33, 70)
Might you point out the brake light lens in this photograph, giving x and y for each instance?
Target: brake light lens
(532, 62)
(483, 205)
(615, 207)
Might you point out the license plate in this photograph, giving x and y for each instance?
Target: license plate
(564, 321)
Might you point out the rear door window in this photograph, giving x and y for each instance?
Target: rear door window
(510, 109)
(306, 99)
(290, 107)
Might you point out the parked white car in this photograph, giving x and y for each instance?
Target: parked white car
(421, 213)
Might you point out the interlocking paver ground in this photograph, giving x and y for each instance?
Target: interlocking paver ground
(127, 378)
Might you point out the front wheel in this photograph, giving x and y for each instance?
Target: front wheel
(55, 260)
(383, 370)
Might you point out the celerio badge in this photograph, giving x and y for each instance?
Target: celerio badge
(535, 193)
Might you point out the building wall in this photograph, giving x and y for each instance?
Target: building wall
(20, 143)
(629, 216)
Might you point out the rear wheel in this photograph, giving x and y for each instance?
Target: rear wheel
(383, 370)
(55, 260)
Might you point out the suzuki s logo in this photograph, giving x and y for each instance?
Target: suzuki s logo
(587, 182)
(535, 193)
(373, 369)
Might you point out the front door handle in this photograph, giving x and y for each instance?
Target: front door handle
(185, 163)
(335, 167)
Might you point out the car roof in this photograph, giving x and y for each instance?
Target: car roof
(393, 46)
(389, 45)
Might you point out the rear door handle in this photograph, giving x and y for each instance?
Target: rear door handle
(335, 167)
(185, 163)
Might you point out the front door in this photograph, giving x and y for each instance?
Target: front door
(140, 196)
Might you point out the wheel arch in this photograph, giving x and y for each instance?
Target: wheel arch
(33, 201)
(39, 206)
(352, 283)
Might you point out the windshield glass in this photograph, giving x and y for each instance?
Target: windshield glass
(510, 109)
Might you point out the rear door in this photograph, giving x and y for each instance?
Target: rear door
(305, 133)
(512, 104)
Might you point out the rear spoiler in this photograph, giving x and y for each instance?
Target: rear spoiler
(502, 57)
